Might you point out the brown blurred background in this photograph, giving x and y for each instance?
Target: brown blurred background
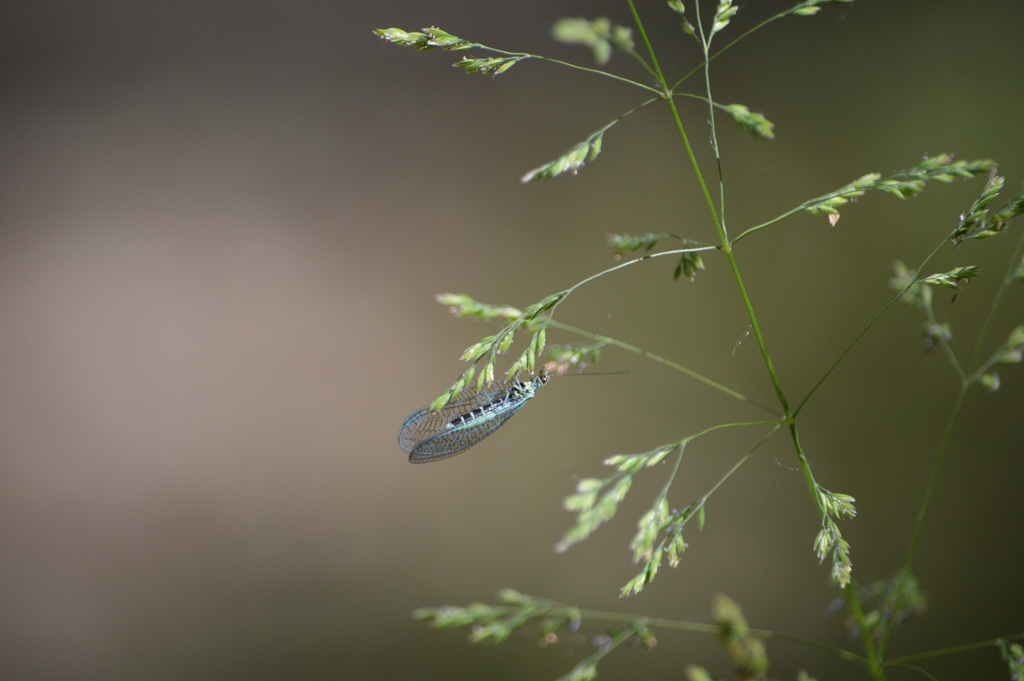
(221, 228)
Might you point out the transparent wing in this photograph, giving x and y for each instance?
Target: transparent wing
(427, 437)
(449, 443)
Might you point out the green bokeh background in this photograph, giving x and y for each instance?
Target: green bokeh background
(221, 229)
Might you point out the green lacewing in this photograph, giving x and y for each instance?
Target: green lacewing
(466, 420)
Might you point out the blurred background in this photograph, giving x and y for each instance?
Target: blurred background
(222, 226)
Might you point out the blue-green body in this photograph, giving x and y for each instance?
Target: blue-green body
(467, 419)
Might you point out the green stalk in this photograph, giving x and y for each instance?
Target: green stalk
(940, 457)
(719, 226)
(661, 360)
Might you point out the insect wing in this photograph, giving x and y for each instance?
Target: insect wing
(451, 442)
(463, 422)
(423, 423)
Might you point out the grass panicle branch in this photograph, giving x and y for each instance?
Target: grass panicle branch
(875, 606)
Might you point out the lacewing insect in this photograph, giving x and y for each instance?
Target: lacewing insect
(466, 420)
